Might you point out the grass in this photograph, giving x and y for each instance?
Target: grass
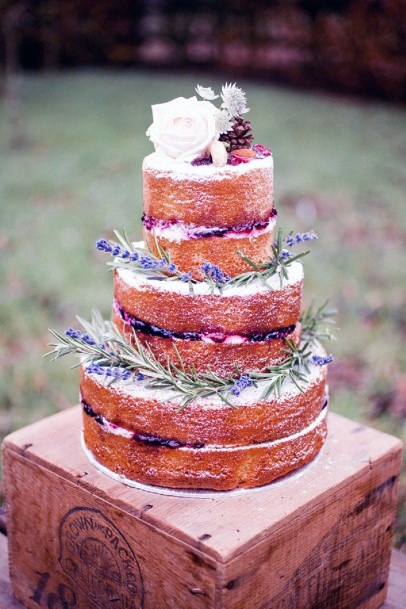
(339, 169)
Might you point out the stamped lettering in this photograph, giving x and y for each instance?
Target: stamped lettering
(63, 598)
(97, 558)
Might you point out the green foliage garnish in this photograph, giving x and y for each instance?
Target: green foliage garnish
(277, 264)
(316, 323)
(103, 346)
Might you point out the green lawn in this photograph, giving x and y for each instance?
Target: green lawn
(338, 169)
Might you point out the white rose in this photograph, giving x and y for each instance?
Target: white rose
(183, 128)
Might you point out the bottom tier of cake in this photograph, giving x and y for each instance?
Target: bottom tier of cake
(139, 433)
(210, 467)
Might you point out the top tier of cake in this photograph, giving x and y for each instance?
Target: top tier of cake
(205, 198)
(207, 213)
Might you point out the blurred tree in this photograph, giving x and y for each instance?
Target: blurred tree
(14, 18)
(348, 45)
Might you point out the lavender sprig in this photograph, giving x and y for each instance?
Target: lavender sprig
(292, 239)
(214, 276)
(144, 261)
(159, 267)
(243, 382)
(319, 360)
(114, 373)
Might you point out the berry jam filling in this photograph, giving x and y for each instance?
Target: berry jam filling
(91, 413)
(157, 441)
(197, 232)
(210, 337)
(145, 438)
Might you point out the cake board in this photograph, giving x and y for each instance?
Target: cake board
(80, 539)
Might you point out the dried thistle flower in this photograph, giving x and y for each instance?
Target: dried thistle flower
(234, 99)
(224, 121)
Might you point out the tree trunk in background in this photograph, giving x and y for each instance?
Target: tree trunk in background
(12, 22)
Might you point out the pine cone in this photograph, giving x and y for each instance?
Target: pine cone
(239, 136)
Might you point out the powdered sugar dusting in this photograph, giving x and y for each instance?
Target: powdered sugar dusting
(162, 165)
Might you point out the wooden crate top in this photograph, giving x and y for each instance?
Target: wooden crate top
(220, 525)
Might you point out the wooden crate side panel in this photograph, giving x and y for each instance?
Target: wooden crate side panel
(333, 554)
(71, 549)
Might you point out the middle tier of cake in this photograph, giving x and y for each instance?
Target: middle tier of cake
(244, 328)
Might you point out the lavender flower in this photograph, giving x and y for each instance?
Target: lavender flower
(186, 277)
(243, 382)
(149, 264)
(285, 254)
(73, 333)
(76, 334)
(95, 369)
(171, 267)
(88, 340)
(114, 249)
(214, 272)
(319, 360)
(292, 240)
(117, 373)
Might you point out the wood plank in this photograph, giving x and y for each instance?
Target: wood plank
(396, 598)
(223, 525)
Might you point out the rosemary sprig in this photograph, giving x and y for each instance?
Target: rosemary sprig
(295, 367)
(277, 264)
(115, 352)
(316, 323)
(103, 348)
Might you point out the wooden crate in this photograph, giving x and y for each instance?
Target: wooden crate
(320, 539)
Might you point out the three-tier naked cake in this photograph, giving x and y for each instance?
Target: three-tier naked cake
(207, 377)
